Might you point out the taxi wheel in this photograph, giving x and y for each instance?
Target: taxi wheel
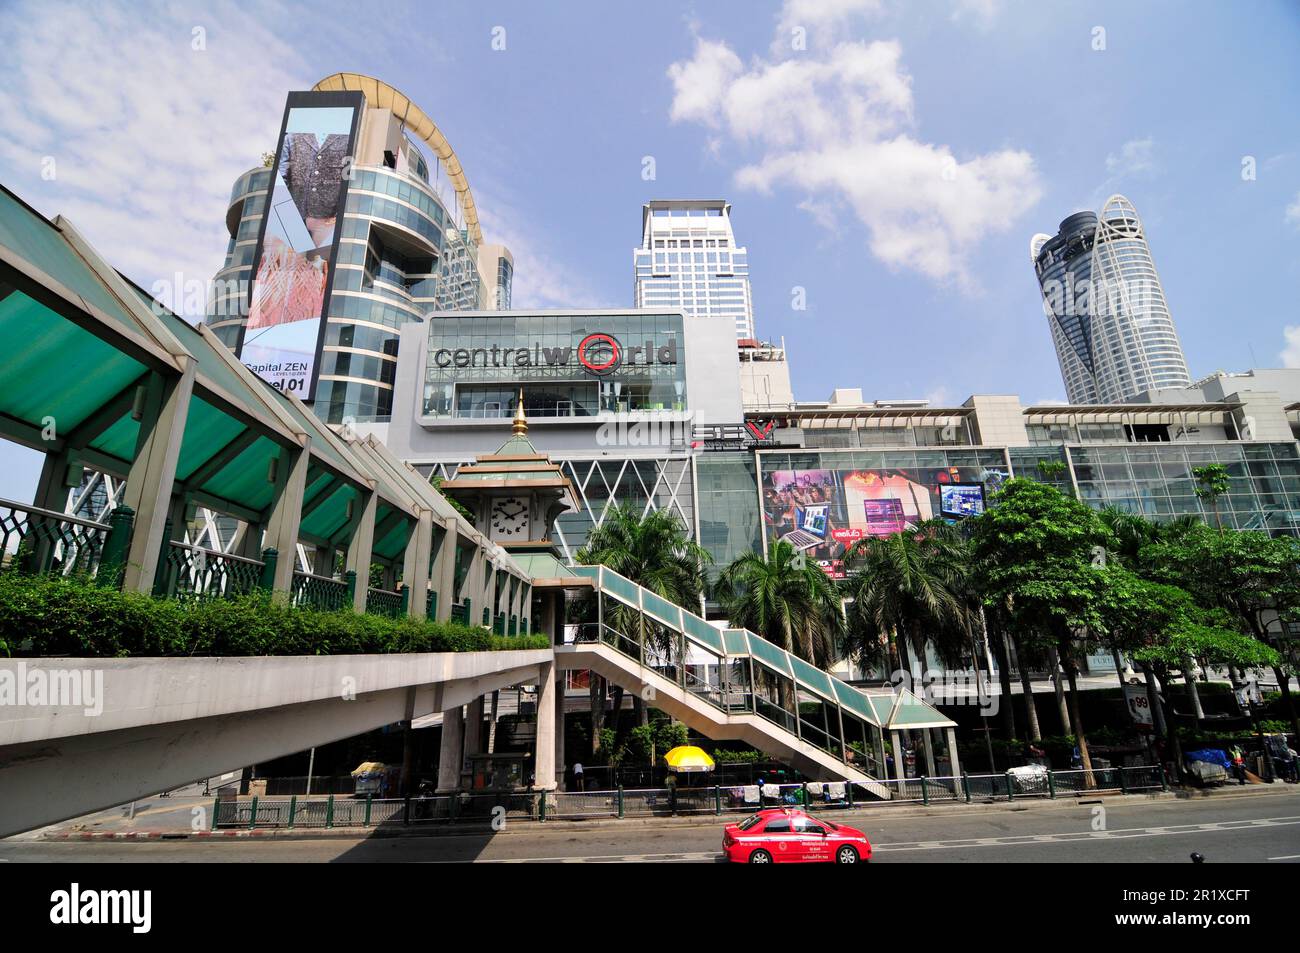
(760, 856)
(846, 855)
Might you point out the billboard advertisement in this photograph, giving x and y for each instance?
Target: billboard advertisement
(822, 512)
(282, 338)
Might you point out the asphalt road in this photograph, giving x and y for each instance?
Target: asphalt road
(1259, 829)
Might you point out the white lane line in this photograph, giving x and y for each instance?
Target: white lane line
(1076, 836)
(1286, 857)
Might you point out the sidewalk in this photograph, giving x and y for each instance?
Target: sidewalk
(852, 817)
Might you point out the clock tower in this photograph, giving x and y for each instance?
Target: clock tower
(514, 494)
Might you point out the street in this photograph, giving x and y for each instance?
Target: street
(1262, 828)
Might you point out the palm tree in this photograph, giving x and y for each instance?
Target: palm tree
(655, 551)
(910, 589)
(787, 599)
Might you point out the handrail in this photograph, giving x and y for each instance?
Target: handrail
(312, 575)
(215, 553)
(52, 514)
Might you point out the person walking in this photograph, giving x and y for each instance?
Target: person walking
(579, 782)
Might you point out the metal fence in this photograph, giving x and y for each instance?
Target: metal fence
(502, 806)
(195, 572)
(37, 540)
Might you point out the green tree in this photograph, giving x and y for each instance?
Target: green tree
(909, 589)
(1212, 483)
(1252, 577)
(654, 550)
(1039, 558)
(787, 599)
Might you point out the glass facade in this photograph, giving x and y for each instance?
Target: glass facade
(567, 365)
(1156, 481)
(728, 514)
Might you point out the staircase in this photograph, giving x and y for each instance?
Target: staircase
(734, 685)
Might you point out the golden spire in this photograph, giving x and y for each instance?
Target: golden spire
(521, 422)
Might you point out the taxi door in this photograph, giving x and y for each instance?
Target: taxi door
(814, 844)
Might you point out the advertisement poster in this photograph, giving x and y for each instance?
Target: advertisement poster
(823, 512)
(291, 277)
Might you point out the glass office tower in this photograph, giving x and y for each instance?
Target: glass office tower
(408, 244)
(688, 260)
(1114, 336)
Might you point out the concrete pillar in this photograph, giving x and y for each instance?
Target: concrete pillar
(322, 563)
(361, 544)
(951, 737)
(559, 729)
(492, 722)
(896, 739)
(929, 752)
(450, 755)
(149, 482)
(544, 762)
(444, 571)
(415, 570)
(286, 512)
(474, 728)
(52, 487)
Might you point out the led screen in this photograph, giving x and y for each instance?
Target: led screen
(962, 499)
(281, 340)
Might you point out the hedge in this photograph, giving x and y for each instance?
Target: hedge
(53, 616)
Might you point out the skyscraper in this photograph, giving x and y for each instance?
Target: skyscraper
(342, 237)
(688, 259)
(1110, 323)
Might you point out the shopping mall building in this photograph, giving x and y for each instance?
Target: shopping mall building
(662, 410)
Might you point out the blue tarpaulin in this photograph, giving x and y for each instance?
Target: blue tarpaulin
(1211, 756)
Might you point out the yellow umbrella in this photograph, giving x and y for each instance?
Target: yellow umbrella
(688, 758)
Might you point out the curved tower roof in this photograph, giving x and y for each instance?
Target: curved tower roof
(381, 95)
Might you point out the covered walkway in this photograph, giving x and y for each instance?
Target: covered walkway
(101, 378)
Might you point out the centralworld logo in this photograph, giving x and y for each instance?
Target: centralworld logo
(598, 353)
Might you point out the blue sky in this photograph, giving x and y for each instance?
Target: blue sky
(895, 167)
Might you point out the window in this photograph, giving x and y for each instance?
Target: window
(777, 825)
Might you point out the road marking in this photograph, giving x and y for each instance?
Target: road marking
(1286, 857)
(711, 855)
(1075, 836)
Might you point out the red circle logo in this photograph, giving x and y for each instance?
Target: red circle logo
(599, 363)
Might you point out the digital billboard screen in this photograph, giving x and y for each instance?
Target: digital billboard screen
(961, 499)
(822, 512)
(295, 259)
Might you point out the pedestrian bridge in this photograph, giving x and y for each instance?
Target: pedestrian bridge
(731, 684)
(152, 724)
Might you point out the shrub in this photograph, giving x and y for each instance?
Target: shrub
(53, 616)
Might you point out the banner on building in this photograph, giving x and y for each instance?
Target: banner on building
(294, 263)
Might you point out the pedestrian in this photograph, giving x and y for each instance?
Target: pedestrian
(1292, 766)
(579, 782)
(1238, 765)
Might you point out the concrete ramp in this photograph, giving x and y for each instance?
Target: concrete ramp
(143, 725)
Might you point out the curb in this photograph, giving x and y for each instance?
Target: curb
(573, 825)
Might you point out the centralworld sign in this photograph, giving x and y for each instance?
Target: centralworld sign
(597, 353)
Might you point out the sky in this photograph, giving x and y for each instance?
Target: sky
(887, 162)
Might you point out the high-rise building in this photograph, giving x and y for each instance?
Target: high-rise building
(374, 226)
(1110, 323)
(688, 260)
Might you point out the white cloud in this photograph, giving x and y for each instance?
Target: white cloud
(838, 124)
(147, 134)
(1135, 157)
(1293, 212)
(982, 12)
(1291, 353)
(815, 22)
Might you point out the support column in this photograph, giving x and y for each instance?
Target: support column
(450, 754)
(951, 736)
(415, 570)
(361, 544)
(474, 727)
(559, 729)
(896, 739)
(152, 476)
(444, 571)
(492, 722)
(929, 752)
(544, 764)
(285, 514)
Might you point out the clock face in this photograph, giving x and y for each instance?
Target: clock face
(509, 518)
